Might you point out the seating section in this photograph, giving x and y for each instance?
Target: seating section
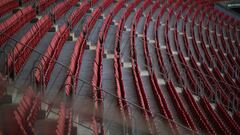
(141, 95)
(20, 53)
(121, 93)
(154, 82)
(15, 22)
(7, 5)
(47, 61)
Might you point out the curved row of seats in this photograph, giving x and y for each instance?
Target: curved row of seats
(62, 8)
(77, 14)
(45, 66)
(76, 58)
(98, 66)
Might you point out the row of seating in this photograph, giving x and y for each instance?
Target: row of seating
(10, 26)
(169, 50)
(91, 21)
(157, 43)
(217, 123)
(62, 8)
(98, 66)
(200, 36)
(76, 58)
(7, 5)
(46, 64)
(43, 4)
(75, 65)
(233, 127)
(77, 14)
(197, 113)
(20, 53)
(192, 30)
(142, 97)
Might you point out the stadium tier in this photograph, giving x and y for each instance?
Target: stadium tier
(119, 67)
